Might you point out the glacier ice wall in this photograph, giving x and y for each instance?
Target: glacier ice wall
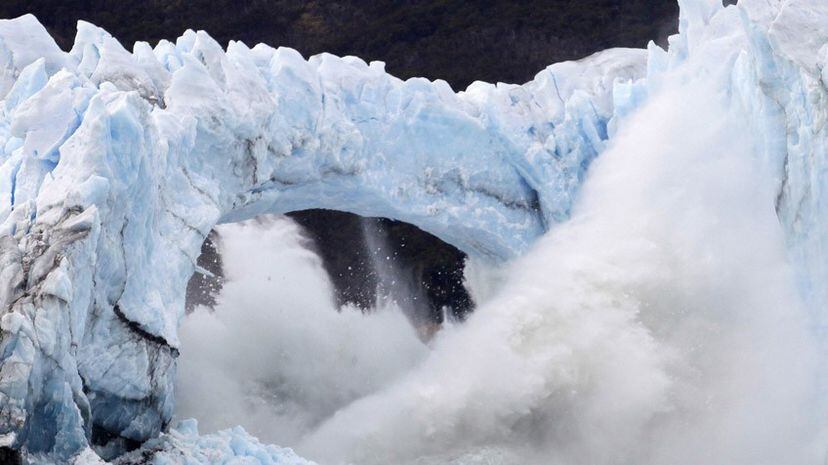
(115, 165)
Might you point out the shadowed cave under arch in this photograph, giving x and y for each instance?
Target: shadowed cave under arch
(432, 269)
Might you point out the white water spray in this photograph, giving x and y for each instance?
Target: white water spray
(277, 355)
(393, 286)
(660, 325)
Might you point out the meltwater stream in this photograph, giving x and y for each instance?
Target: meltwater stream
(659, 325)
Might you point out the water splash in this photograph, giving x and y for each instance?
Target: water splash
(277, 355)
(660, 325)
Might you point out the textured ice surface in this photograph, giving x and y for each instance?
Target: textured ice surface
(114, 165)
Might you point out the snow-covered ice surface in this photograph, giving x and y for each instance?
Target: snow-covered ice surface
(620, 328)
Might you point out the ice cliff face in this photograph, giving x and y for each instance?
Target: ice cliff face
(116, 165)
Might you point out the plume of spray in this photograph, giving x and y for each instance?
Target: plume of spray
(276, 355)
(659, 325)
(393, 286)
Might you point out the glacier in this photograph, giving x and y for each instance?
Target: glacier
(115, 166)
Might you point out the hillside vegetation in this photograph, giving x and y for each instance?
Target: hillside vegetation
(455, 40)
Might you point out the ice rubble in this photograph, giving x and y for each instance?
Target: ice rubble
(115, 166)
(184, 446)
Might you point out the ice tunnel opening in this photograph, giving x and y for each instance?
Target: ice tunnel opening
(283, 329)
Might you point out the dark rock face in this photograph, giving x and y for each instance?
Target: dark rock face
(367, 259)
(455, 40)
(392, 259)
(203, 288)
(9, 456)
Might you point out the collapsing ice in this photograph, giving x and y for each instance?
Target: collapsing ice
(116, 165)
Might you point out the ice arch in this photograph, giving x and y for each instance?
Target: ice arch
(116, 164)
